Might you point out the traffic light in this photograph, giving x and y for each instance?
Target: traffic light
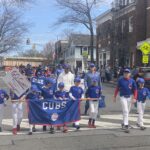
(28, 41)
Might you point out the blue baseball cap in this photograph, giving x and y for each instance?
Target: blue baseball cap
(77, 79)
(92, 65)
(127, 70)
(61, 84)
(66, 66)
(49, 81)
(35, 88)
(141, 80)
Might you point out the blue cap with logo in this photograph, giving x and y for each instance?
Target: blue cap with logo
(66, 66)
(127, 70)
(141, 80)
(61, 84)
(77, 79)
(92, 65)
(48, 81)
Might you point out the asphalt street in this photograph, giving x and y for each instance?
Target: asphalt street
(107, 136)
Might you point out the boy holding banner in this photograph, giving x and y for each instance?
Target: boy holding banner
(35, 93)
(61, 94)
(3, 97)
(76, 93)
(48, 93)
(94, 94)
(17, 111)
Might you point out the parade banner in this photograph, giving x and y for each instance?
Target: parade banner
(17, 82)
(53, 112)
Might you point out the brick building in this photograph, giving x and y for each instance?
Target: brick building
(130, 24)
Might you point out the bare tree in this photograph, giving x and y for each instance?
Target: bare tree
(49, 51)
(11, 30)
(31, 53)
(79, 12)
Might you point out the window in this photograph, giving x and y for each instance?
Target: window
(131, 24)
(131, 1)
(123, 25)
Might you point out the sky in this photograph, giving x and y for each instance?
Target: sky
(41, 16)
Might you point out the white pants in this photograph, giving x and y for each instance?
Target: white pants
(1, 113)
(93, 109)
(126, 106)
(17, 112)
(141, 109)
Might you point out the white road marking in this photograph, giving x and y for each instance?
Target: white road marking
(113, 122)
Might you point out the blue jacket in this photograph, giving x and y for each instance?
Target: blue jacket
(89, 76)
(143, 94)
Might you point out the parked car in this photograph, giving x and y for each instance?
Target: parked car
(145, 71)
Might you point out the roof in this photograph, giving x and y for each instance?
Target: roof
(81, 39)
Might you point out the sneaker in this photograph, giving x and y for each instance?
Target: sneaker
(52, 131)
(123, 126)
(14, 131)
(127, 129)
(78, 127)
(138, 125)
(65, 130)
(142, 128)
(18, 127)
(44, 128)
(33, 129)
(0, 129)
(30, 133)
(93, 126)
(58, 128)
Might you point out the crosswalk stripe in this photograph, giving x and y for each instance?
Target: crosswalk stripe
(111, 122)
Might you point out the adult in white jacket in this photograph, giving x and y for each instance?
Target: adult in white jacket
(66, 77)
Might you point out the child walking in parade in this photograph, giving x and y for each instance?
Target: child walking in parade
(94, 94)
(143, 93)
(34, 94)
(61, 94)
(76, 93)
(3, 98)
(48, 93)
(17, 110)
(128, 95)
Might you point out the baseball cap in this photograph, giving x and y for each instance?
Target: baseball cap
(141, 80)
(49, 81)
(127, 70)
(77, 79)
(61, 84)
(66, 66)
(92, 65)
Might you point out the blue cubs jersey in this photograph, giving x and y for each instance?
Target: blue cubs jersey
(143, 94)
(39, 81)
(47, 92)
(62, 94)
(76, 92)
(126, 86)
(94, 91)
(3, 95)
(34, 80)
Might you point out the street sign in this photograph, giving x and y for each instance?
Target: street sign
(145, 48)
(145, 59)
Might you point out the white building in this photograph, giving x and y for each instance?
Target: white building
(77, 44)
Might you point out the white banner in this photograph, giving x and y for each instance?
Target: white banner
(17, 82)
